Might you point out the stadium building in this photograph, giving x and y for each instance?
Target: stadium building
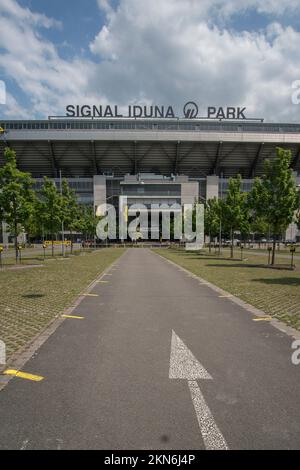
(148, 160)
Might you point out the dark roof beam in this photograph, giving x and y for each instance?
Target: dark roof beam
(125, 153)
(166, 154)
(177, 158)
(215, 167)
(53, 160)
(184, 156)
(296, 159)
(256, 160)
(135, 167)
(94, 154)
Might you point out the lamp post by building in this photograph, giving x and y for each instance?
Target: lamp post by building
(44, 249)
(20, 253)
(220, 225)
(242, 252)
(62, 221)
(269, 256)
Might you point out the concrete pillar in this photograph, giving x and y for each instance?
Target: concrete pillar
(189, 192)
(99, 190)
(292, 232)
(212, 186)
(5, 234)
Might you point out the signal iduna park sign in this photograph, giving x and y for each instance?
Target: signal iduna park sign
(190, 111)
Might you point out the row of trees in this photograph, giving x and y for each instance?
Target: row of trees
(43, 215)
(271, 205)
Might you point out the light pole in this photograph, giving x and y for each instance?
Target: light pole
(298, 222)
(62, 221)
(292, 251)
(220, 215)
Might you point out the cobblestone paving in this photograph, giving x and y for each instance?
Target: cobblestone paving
(31, 298)
(276, 292)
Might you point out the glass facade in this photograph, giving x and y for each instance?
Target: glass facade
(223, 185)
(151, 189)
(83, 188)
(160, 124)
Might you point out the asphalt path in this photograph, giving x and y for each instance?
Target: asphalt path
(159, 361)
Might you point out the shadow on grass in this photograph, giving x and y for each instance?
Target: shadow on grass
(247, 265)
(33, 296)
(287, 281)
(204, 256)
(216, 258)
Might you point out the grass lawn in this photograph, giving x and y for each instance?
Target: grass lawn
(31, 297)
(276, 292)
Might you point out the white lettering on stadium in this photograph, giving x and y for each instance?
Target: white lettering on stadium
(190, 111)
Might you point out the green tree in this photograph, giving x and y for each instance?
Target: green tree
(86, 222)
(274, 195)
(50, 209)
(235, 211)
(16, 196)
(70, 209)
(212, 218)
(258, 225)
(298, 209)
(32, 224)
(257, 221)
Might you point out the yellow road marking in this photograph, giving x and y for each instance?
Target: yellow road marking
(226, 296)
(23, 375)
(263, 319)
(103, 282)
(72, 316)
(91, 295)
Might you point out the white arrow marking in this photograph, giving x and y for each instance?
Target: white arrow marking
(24, 444)
(184, 365)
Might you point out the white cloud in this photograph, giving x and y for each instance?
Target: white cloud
(12, 109)
(13, 9)
(181, 50)
(35, 65)
(175, 52)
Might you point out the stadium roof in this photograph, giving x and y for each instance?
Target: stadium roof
(197, 148)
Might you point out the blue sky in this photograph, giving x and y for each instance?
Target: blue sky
(81, 21)
(216, 52)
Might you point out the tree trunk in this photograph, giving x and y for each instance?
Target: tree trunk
(231, 248)
(52, 243)
(16, 239)
(273, 251)
(209, 246)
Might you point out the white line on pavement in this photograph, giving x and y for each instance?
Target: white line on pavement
(184, 365)
(212, 436)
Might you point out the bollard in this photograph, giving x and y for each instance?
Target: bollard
(292, 251)
(20, 251)
(269, 258)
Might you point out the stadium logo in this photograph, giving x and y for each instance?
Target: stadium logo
(190, 110)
